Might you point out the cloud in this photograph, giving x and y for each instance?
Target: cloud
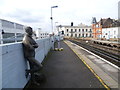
(37, 12)
(25, 16)
(31, 19)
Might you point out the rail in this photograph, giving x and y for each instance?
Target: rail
(108, 56)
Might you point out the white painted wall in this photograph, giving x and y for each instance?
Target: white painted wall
(14, 64)
(77, 32)
(0, 68)
(110, 33)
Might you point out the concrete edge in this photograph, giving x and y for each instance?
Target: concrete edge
(104, 78)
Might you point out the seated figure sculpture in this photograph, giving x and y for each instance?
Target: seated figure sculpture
(29, 46)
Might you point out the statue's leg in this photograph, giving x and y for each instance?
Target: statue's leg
(35, 66)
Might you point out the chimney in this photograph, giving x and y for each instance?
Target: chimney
(71, 23)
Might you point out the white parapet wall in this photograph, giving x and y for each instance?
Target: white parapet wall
(13, 63)
(0, 68)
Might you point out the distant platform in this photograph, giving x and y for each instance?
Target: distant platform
(108, 43)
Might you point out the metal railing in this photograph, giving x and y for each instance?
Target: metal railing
(16, 38)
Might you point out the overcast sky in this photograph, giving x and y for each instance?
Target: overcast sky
(37, 13)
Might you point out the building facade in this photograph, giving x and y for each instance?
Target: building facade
(97, 30)
(111, 33)
(10, 29)
(40, 34)
(80, 31)
(100, 27)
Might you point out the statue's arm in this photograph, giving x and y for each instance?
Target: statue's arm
(35, 45)
(30, 46)
(27, 43)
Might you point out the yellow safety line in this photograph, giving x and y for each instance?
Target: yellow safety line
(90, 68)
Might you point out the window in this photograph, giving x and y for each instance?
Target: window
(79, 35)
(90, 30)
(90, 35)
(83, 30)
(79, 30)
(86, 30)
(97, 26)
(67, 30)
(71, 30)
(114, 32)
(75, 35)
(86, 35)
(75, 30)
(82, 35)
(71, 35)
(67, 34)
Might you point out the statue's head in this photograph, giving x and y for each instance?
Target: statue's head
(29, 30)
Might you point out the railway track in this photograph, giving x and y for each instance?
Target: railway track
(113, 58)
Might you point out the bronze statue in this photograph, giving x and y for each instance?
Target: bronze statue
(29, 46)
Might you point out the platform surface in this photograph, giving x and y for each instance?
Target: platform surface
(64, 69)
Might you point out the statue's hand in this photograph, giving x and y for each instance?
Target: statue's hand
(35, 46)
(32, 48)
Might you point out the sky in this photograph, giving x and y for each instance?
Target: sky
(37, 13)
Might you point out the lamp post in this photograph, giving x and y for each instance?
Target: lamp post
(52, 26)
(52, 17)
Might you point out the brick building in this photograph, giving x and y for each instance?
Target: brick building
(103, 23)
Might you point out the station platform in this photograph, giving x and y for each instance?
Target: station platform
(65, 69)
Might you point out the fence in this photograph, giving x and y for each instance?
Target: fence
(13, 63)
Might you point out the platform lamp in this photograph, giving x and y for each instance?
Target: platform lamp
(52, 17)
(52, 25)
